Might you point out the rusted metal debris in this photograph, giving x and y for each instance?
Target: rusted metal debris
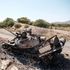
(35, 46)
(29, 48)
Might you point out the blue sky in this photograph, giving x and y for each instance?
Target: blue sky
(50, 10)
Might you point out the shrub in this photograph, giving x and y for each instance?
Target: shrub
(41, 23)
(24, 20)
(8, 22)
(1, 24)
(17, 25)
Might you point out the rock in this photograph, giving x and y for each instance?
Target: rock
(5, 64)
(13, 68)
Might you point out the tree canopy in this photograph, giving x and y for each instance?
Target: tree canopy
(24, 20)
(8, 22)
(41, 23)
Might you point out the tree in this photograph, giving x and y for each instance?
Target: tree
(8, 22)
(41, 23)
(24, 20)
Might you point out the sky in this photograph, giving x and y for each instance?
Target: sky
(49, 10)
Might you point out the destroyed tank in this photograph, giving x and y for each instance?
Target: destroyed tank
(35, 45)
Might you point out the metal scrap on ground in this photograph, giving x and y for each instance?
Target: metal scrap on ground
(33, 47)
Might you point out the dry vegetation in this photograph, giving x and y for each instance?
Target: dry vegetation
(62, 28)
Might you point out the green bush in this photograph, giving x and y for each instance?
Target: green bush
(24, 20)
(41, 23)
(8, 22)
(1, 25)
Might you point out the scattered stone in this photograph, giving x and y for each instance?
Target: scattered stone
(5, 64)
(13, 67)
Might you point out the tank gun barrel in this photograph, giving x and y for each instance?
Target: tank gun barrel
(10, 32)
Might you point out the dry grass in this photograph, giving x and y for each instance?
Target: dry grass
(62, 28)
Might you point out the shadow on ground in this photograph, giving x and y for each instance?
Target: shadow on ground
(59, 63)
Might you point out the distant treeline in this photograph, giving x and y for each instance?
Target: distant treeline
(60, 25)
(9, 22)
